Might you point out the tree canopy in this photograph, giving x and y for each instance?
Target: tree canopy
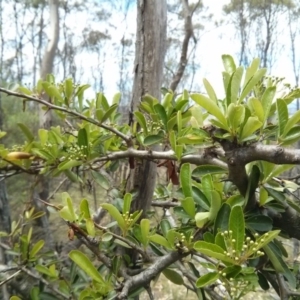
(225, 206)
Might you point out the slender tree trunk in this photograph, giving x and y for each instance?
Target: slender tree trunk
(148, 75)
(46, 118)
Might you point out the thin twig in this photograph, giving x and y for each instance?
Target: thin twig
(123, 136)
(10, 277)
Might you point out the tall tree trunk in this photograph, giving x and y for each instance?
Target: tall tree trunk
(149, 61)
(46, 118)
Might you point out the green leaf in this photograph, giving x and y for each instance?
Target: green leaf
(208, 169)
(215, 206)
(235, 83)
(101, 180)
(229, 64)
(211, 107)
(67, 212)
(253, 183)
(26, 131)
(259, 223)
(165, 226)
(116, 98)
(222, 219)
(250, 126)
(232, 271)
(24, 90)
(256, 108)
(90, 227)
(127, 203)
(171, 123)
(202, 218)
(207, 186)
(179, 122)
(207, 279)
(283, 115)
(44, 270)
(259, 74)
(86, 265)
(210, 90)
(295, 118)
(160, 110)
(109, 112)
(153, 139)
(167, 100)
(145, 229)
(113, 211)
(173, 276)
(251, 70)
(200, 198)
(185, 179)
(212, 250)
(159, 239)
(36, 248)
(179, 151)
(188, 205)
(68, 88)
(68, 164)
(83, 140)
(85, 209)
(237, 225)
(267, 99)
(142, 121)
(236, 115)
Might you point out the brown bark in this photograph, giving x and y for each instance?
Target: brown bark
(148, 73)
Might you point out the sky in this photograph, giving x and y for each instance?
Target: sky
(212, 44)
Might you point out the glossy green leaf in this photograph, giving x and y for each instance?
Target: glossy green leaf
(210, 90)
(142, 121)
(171, 123)
(165, 226)
(200, 198)
(236, 115)
(263, 196)
(68, 84)
(295, 118)
(36, 248)
(101, 180)
(26, 131)
(263, 282)
(283, 115)
(166, 102)
(159, 239)
(232, 271)
(251, 70)
(237, 226)
(160, 110)
(90, 227)
(173, 276)
(44, 270)
(153, 139)
(256, 108)
(250, 127)
(202, 218)
(127, 203)
(116, 98)
(222, 219)
(68, 164)
(109, 113)
(24, 90)
(251, 83)
(207, 186)
(207, 279)
(145, 229)
(215, 206)
(212, 250)
(188, 205)
(211, 107)
(267, 99)
(253, 183)
(86, 265)
(185, 179)
(85, 209)
(179, 151)
(191, 139)
(208, 169)
(229, 64)
(259, 223)
(83, 140)
(179, 122)
(113, 211)
(235, 83)
(208, 237)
